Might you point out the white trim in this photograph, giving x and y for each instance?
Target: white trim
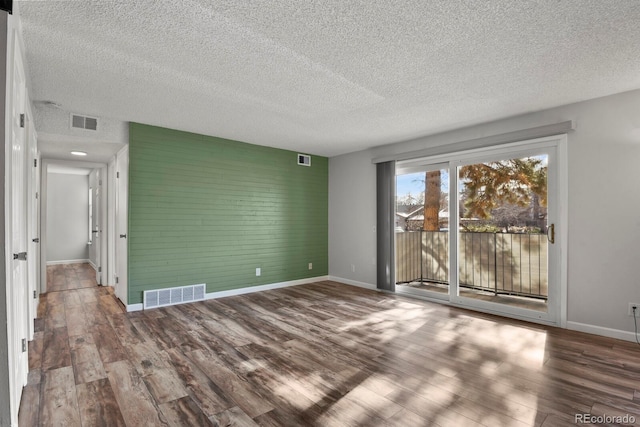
(562, 186)
(525, 147)
(95, 267)
(431, 295)
(247, 290)
(109, 235)
(480, 143)
(353, 283)
(474, 309)
(121, 184)
(135, 307)
(70, 261)
(601, 330)
(260, 288)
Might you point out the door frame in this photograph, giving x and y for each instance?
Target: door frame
(99, 215)
(33, 223)
(558, 318)
(120, 220)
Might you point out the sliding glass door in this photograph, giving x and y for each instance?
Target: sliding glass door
(422, 231)
(480, 229)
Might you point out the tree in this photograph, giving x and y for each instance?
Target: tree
(513, 181)
(432, 201)
(487, 186)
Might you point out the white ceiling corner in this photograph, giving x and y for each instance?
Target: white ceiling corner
(326, 77)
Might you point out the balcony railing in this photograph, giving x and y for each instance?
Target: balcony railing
(501, 263)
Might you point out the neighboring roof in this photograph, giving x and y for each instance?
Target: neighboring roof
(411, 213)
(418, 214)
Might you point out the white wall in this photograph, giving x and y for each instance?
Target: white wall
(604, 206)
(352, 217)
(67, 217)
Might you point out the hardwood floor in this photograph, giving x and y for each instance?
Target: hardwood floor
(324, 354)
(63, 277)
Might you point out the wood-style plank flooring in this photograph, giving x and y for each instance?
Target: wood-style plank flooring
(64, 277)
(323, 354)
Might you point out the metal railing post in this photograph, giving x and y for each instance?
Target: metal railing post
(420, 258)
(495, 263)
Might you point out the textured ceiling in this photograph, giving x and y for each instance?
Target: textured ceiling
(326, 77)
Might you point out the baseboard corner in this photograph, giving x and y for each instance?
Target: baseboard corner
(134, 307)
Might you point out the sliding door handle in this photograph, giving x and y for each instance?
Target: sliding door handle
(551, 233)
(123, 236)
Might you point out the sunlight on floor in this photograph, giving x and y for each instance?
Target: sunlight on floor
(446, 397)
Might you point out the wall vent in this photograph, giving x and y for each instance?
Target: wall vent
(304, 160)
(84, 122)
(172, 296)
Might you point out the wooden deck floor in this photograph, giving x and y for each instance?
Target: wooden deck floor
(322, 354)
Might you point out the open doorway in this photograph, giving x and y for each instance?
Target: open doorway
(73, 221)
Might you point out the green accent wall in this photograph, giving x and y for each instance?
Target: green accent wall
(210, 210)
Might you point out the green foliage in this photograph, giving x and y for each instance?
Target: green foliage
(482, 228)
(487, 185)
(491, 228)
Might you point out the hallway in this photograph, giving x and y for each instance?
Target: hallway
(74, 307)
(64, 277)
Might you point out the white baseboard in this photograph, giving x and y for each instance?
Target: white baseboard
(260, 288)
(575, 326)
(134, 307)
(69, 261)
(247, 290)
(600, 330)
(353, 282)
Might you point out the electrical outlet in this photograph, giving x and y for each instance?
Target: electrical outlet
(637, 306)
(258, 271)
(353, 268)
(310, 266)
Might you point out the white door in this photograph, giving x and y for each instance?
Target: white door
(97, 228)
(122, 180)
(33, 164)
(17, 285)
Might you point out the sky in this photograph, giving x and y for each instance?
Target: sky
(414, 183)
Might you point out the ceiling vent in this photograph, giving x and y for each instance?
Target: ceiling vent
(83, 122)
(304, 160)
